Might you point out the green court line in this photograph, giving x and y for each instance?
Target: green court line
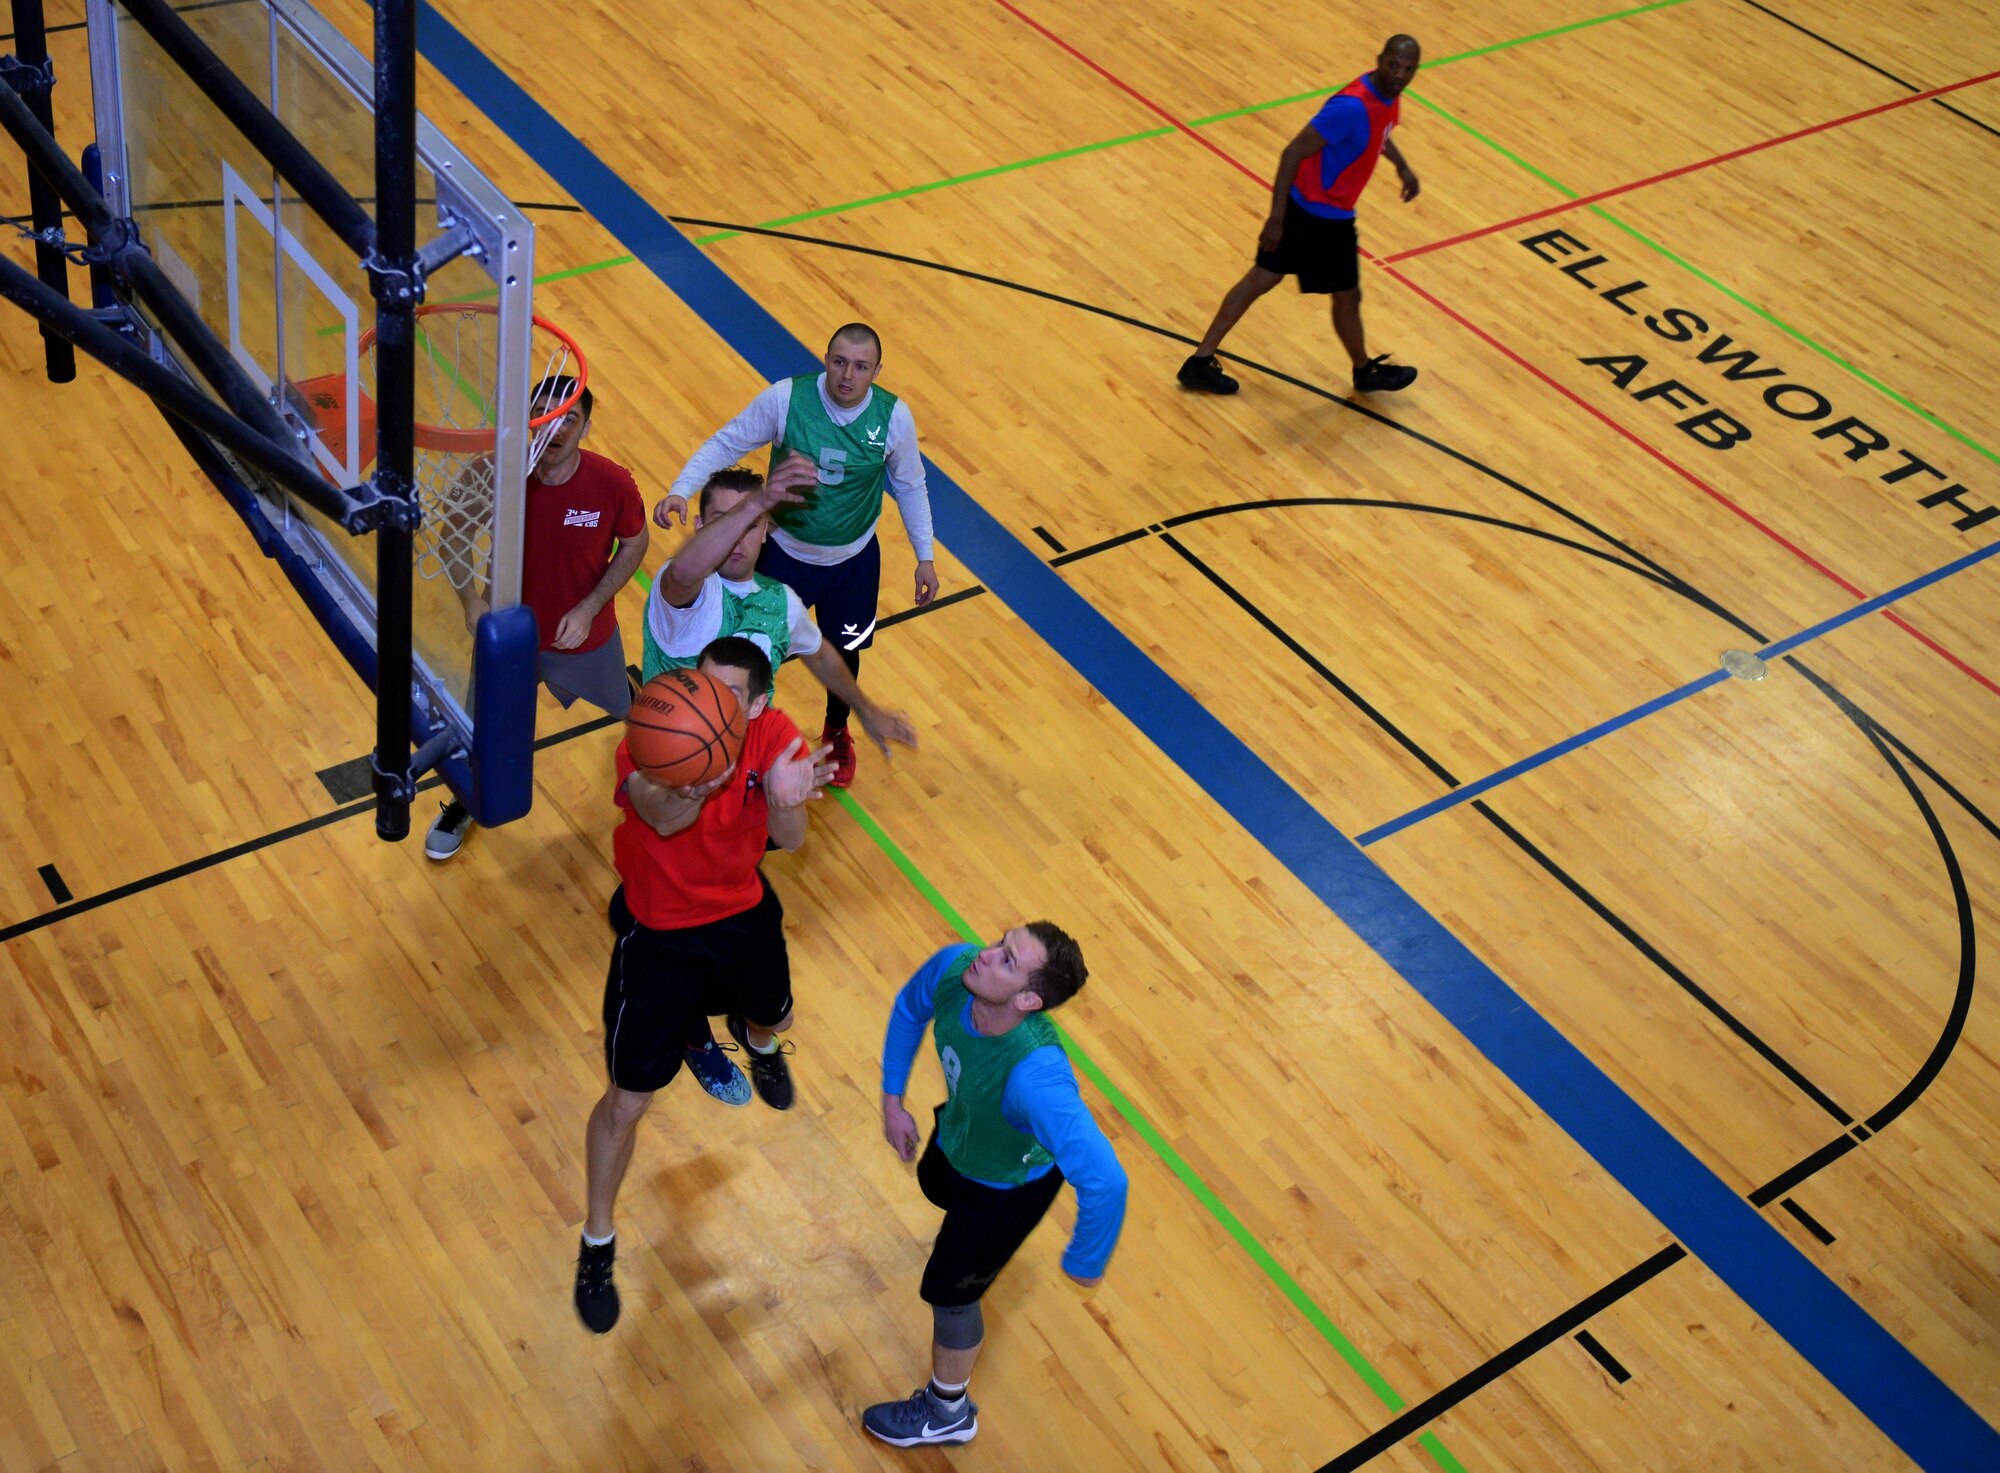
(1161, 1147)
(1735, 296)
(1068, 153)
(1598, 20)
(896, 194)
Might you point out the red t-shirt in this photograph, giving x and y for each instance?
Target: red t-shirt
(708, 871)
(566, 541)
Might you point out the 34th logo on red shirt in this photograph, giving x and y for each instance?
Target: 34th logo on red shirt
(575, 518)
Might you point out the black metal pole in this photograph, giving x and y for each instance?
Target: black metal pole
(294, 162)
(180, 320)
(31, 45)
(168, 389)
(397, 287)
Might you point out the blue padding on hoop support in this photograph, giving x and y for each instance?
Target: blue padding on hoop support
(505, 653)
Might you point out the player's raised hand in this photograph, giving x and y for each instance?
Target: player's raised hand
(789, 478)
(672, 509)
(797, 776)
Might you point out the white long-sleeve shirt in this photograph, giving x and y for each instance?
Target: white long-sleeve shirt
(762, 423)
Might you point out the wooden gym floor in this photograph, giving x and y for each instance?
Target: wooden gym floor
(290, 1126)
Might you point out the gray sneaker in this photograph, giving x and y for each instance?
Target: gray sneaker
(719, 1075)
(921, 1420)
(447, 831)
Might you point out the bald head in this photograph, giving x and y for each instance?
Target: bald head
(1398, 63)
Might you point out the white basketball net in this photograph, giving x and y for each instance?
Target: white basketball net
(457, 360)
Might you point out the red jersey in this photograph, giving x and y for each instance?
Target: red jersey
(1354, 122)
(567, 536)
(708, 871)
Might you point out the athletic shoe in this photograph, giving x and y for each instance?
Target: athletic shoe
(1205, 375)
(718, 1075)
(843, 755)
(447, 831)
(769, 1072)
(921, 1421)
(1379, 375)
(596, 1295)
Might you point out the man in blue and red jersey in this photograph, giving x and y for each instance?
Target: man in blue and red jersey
(1012, 1130)
(699, 930)
(1310, 230)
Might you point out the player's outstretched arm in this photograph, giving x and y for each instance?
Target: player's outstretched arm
(707, 550)
(882, 725)
(761, 423)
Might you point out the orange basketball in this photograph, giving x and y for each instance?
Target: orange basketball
(684, 728)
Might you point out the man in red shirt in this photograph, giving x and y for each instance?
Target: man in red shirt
(583, 535)
(699, 931)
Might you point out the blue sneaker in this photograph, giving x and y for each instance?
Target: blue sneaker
(921, 1421)
(719, 1075)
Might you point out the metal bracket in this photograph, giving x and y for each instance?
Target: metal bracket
(402, 786)
(391, 283)
(455, 242)
(29, 81)
(375, 509)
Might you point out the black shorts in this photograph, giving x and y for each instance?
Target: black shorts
(1324, 254)
(842, 597)
(662, 981)
(982, 1228)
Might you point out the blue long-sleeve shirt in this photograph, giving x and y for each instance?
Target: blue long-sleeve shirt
(1041, 1099)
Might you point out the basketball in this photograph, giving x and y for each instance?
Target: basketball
(684, 728)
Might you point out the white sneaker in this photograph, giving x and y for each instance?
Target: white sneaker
(447, 831)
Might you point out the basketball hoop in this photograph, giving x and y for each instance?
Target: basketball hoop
(456, 426)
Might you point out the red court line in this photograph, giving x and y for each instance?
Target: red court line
(1675, 466)
(1721, 158)
(1130, 91)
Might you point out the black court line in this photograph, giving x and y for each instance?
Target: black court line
(1416, 1418)
(54, 880)
(1046, 536)
(1806, 1220)
(262, 841)
(1864, 61)
(1623, 928)
(1603, 1357)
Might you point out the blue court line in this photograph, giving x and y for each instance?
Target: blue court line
(1883, 1379)
(1468, 791)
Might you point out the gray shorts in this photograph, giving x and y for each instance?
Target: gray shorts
(597, 676)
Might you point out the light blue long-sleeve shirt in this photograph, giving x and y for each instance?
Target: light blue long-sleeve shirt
(1041, 1099)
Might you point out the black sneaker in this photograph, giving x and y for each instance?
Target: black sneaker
(447, 831)
(768, 1072)
(596, 1295)
(1205, 376)
(1380, 376)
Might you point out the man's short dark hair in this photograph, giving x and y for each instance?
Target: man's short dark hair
(556, 388)
(736, 478)
(742, 654)
(857, 330)
(1062, 976)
